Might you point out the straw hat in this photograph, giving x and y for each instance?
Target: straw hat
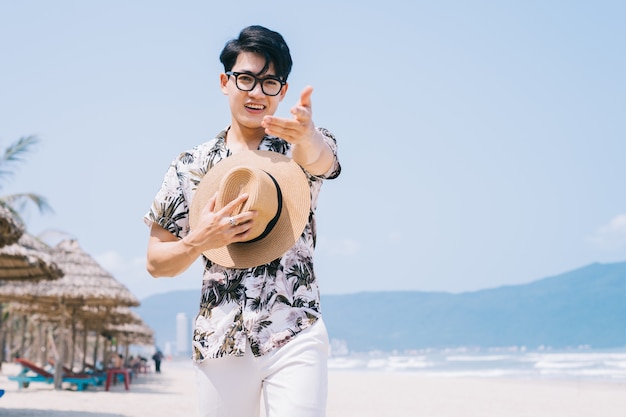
(278, 191)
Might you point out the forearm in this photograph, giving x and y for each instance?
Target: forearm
(314, 155)
(169, 257)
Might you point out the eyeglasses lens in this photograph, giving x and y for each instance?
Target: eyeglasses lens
(247, 82)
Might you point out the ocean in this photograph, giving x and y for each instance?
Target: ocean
(544, 363)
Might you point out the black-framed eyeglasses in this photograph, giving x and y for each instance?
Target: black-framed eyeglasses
(271, 86)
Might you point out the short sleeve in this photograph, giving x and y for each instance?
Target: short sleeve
(169, 208)
(335, 168)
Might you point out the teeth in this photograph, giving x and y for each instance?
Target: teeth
(255, 106)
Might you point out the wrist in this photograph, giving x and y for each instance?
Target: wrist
(189, 248)
(309, 151)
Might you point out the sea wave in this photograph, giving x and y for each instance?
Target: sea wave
(521, 363)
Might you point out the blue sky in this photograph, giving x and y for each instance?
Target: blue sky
(482, 142)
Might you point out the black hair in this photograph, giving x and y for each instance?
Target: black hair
(262, 41)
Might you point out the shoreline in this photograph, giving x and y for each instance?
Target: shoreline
(351, 393)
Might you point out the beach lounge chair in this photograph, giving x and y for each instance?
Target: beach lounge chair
(33, 373)
(99, 376)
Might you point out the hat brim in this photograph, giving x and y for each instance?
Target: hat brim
(291, 222)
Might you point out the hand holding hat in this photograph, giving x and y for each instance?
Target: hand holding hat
(277, 192)
(218, 227)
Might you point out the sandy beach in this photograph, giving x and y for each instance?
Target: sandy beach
(351, 393)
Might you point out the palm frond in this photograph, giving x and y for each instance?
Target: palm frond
(17, 202)
(16, 150)
(14, 153)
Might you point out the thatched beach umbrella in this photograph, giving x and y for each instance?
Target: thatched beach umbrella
(25, 259)
(10, 227)
(100, 320)
(28, 259)
(131, 334)
(85, 283)
(97, 317)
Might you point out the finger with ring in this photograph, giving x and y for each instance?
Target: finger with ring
(232, 221)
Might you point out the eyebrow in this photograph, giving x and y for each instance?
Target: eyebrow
(245, 71)
(273, 76)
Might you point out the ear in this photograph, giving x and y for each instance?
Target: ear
(223, 82)
(283, 91)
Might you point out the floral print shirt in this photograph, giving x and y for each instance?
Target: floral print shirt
(267, 305)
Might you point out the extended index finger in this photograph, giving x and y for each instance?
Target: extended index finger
(305, 97)
(230, 208)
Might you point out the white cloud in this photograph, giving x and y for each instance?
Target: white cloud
(611, 235)
(113, 261)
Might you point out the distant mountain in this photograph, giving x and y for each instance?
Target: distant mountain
(586, 306)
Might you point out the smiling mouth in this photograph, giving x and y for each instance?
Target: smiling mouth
(255, 106)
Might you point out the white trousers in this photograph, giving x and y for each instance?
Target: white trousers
(293, 380)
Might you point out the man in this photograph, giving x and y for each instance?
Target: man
(259, 328)
(157, 358)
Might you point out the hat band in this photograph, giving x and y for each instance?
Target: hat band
(271, 223)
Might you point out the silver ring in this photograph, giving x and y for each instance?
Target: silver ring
(232, 221)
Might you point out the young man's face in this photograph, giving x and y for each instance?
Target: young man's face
(249, 107)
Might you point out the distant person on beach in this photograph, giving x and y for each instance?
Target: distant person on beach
(157, 358)
(246, 201)
(118, 361)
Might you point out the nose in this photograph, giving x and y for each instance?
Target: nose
(257, 91)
